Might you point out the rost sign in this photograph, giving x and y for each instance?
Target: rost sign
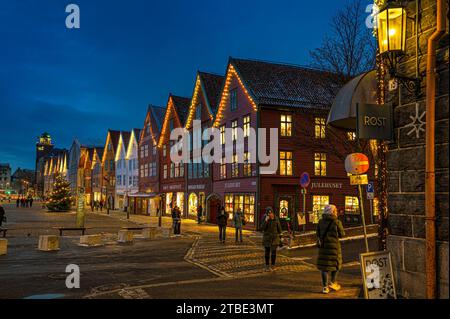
(356, 163)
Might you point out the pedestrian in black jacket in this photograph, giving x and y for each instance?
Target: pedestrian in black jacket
(222, 220)
(2, 214)
(271, 238)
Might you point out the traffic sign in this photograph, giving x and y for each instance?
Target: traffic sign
(359, 179)
(370, 196)
(370, 188)
(356, 163)
(304, 180)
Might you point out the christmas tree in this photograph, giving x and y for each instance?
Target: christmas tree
(60, 198)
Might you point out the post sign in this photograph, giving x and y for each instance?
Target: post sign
(370, 191)
(356, 163)
(378, 278)
(80, 207)
(304, 180)
(359, 179)
(374, 121)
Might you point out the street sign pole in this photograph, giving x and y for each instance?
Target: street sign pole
(361, 205)
(371, 210)
(304, 207)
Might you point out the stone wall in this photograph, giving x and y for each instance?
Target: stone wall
(406, 165)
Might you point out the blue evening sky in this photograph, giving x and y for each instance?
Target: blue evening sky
(127, 54)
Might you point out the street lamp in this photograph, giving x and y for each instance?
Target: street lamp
(391, 32)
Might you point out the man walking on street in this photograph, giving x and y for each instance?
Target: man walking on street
(222, 220)
(238, 221)
(2, 215)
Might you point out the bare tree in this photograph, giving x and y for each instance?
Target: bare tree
(349, 49)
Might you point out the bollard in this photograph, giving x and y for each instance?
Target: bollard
(149, 233)
(91, 240)
(3, 246)
(48, 243)
(166, 231)
(125, 236)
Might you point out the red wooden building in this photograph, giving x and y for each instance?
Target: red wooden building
(203, 108)
(172, 177)
(295, 100)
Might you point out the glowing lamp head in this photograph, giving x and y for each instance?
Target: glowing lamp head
(391, 24)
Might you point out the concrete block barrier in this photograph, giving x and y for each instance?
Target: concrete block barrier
(91, 240)
(125, 236)
(149, 233)
(3, 246)
(48, 243)
(166, 232)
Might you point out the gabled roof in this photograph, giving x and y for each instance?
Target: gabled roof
(99, 151)
(137, 133)
(212, 85)
(157, 113)
(275, 84)
(114, 136)
(181, 105)
(126, 138)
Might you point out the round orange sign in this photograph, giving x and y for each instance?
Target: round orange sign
(357, 163)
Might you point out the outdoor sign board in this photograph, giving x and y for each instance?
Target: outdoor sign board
(378, 279)
(356, 163)
(301, 218)
(370, 190)
(374, 121)
(80, 207)
(304, 180)
(359, 179)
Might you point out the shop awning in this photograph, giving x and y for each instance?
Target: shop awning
(359, 90)
(143, 195)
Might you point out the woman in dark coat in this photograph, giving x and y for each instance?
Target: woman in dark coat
(271, 239)
(329, 230)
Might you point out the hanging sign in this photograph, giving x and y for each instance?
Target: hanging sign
(359, 179)
(356, 163)
(378, 278)
(374, 121)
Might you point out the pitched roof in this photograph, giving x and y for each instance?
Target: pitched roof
(126, 138)
(212, 84)
(115, 135)
(158, 114)
(181, 105)
(137, 133)
(275, 84)
(99, 151)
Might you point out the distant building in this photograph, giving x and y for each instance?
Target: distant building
(5, 177)
(55, 163)
(43, 147)
(22, 181)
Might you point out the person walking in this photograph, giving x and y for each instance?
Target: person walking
(238, 221)
(17, 202)
(176, 220)
(2, 215)
(222, 220)
(101, 205)
(199, 213)
(271, 238)
(329, 260)
(31, 201)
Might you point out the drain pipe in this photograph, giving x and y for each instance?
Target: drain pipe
(430, 209)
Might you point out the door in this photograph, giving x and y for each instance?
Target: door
(213, 210)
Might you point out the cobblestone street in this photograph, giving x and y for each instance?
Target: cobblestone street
(189, 265)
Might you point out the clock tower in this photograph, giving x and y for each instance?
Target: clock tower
(43, 147)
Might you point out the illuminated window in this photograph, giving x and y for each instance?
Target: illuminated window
(284, 208)
(164, 150)
(320, 164)
(198, 112)
(286, 125)
(181, 169)
(233, 99)
(154, 149)
(247, 164)
(319, 203)
(172, 170)
(234, 130)
(234, 167)
(247, 126)
(319, 127)
(222, 134)
(192, 204)
(229, 204)
(285, 163)
(246, 202)
(351, 205)
(165, 171)
(223, 168)
(351, 136)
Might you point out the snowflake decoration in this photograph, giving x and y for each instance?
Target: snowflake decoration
(417, 123)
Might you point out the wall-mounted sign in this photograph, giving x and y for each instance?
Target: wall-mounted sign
(378, 278)
(374, 121)
(301, 218)
(326, 185)
(359, 179)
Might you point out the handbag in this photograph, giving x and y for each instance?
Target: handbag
(320, 239)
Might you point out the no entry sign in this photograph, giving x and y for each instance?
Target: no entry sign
(304, 180)
(357, 163)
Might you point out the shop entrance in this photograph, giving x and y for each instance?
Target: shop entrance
(212, 201)
(286, 212)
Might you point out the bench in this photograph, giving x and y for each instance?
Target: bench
(62, 229)
(3, 230)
